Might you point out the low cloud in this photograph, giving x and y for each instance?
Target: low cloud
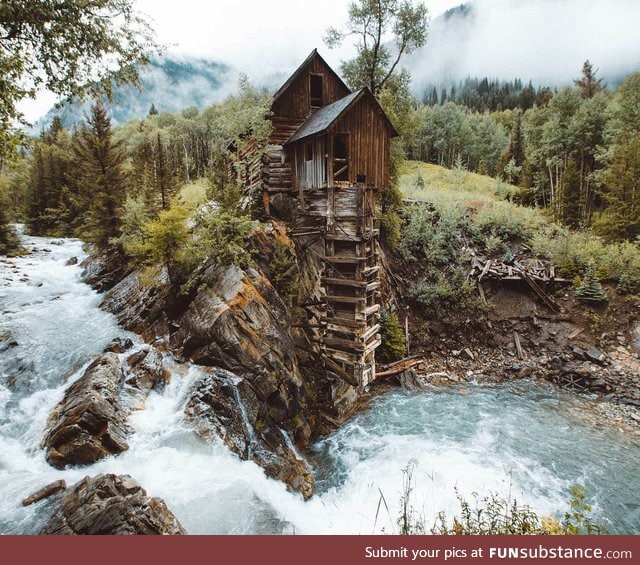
(543, 40)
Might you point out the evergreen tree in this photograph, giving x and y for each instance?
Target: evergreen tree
(284, 272)
(394, 345)
(153, 111)
(590, 290)
(165, 175)
(8, 239)
(99, 165)
(514, 156)
(50, 209)
(587, 84)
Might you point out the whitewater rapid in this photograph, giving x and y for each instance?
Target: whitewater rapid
(522, 440)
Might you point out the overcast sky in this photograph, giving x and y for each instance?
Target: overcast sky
(525, 38)
(256, 36)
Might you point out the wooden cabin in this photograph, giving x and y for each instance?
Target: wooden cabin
(329, 154)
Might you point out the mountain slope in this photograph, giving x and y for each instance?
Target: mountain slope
(170, 83)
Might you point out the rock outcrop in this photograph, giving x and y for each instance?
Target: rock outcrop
(223, 405)
(110, 505)
(140, 304)
(236, 321)
(90, 423)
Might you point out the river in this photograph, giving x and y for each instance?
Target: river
(523, 440)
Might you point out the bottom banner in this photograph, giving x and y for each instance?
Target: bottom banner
(316, 550)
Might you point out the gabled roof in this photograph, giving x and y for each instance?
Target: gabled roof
(323, 118)
(301, 68)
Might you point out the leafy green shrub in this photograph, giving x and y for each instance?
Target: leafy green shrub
(449, 297)
(390, 229)
(220, 239)
(162, 241)
(432, 235)
(508, 222)
(394, 345)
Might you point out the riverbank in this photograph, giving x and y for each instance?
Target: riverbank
(589, 352)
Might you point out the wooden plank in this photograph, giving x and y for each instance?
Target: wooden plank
(345, 282)
(366, 336)
(575, 333)
(519, 351)
(481, 291)
(548, 301)
(346, 299)
(372, 310)
(400, 366)
(338, 370)
(371, 271)
(345, 259)
(486, 268)
(343, 344)
(352, 324)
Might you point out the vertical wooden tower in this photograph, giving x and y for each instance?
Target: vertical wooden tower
(331, 151)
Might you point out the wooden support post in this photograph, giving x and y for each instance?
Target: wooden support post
(406, 333)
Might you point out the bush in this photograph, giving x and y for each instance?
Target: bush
(432, 235)
(390, 228)
(220, 239)
(449, 297)
(628, 284)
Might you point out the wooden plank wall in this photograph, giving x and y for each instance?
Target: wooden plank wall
(295, 102)
(310, 174)
(368, 143)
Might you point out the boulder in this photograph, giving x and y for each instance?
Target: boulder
(595, 355)
(238, 322)
(111, 505)
(119, 345)
(90, 423)
(221, 405)
(144, 371)
(45, 492)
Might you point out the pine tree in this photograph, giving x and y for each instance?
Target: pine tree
(99, 163)
(165, 175)
(8, 239)
(394, 344)
(590, 289)
(284, 272)
(153, 111)
(587, 84)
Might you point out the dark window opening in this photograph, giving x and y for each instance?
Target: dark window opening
(340, 158)
(316, 84)
(308, 151)
(361, 179)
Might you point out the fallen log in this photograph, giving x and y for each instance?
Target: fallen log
(400, 366)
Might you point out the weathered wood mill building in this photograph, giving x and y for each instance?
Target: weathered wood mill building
(330, 151)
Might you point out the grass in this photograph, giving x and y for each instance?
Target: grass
(499, 223)
(193, 194)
